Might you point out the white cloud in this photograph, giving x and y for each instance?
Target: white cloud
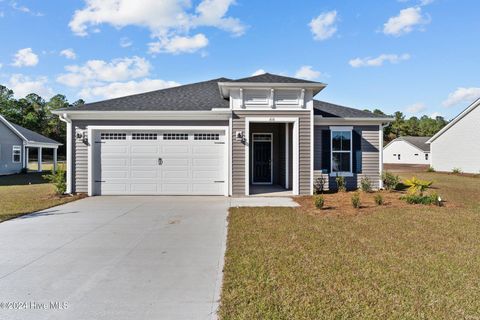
(323, 26)
(168, 20)
(378, 61)
(69, 54)
(258, 72)
(462, 95)
(25, 9)
(179, 44)
(118, 89)
(23, 85)
(405, 22)
(125, 42)
(307, 73)
(416, 108)
(435, 115)
(95, 71)
(25, 58)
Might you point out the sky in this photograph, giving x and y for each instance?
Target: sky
(415, 56)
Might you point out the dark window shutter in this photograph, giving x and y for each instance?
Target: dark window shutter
(326, 151)
(356, 152)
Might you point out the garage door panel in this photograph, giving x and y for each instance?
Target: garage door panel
(189, 167)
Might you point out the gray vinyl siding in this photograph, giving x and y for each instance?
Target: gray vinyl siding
(369, 152)
(8, 139)
(80, 151)
(238, 148)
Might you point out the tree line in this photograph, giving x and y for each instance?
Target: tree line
(35, 113)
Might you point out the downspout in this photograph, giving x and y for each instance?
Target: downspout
(382, 126)
(64, 118)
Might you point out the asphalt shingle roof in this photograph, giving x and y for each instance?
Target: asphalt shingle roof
(419, 142)
(272, 78)
(32, 136)
(330, 110)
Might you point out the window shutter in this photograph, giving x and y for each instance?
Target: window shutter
(356, 152)
(326, 151)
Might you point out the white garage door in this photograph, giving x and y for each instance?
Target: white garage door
(160, 163)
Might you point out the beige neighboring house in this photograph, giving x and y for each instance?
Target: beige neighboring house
(407, 150)
(261, 134)
(457, 145)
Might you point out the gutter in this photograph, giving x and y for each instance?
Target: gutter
(214, 114)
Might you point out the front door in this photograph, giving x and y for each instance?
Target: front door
(262, 158)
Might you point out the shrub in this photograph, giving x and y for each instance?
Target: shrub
(379, 199)
(417, 186)
(319, 185)
(341, 183)
(319, 201)
(430, 169)
(58, 179)
(456, 170)
(366, 184)
(390, 181)
(423, 199)
(356, 200)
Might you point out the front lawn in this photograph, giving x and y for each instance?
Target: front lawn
(404, 262)
(26, 193)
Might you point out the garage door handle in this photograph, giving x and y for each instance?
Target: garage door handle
(160, 161)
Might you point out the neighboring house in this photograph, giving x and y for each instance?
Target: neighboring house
(14, 144)
(457, 145)
(407, 150)
(220, 137)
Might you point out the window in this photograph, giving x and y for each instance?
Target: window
(144, 136)
(426, 156)
(206, 136)
(175, 136)
(16, 154)
(341, 151)
(113, 136)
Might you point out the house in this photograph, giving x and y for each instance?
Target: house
(15, 142)
(227, 137)
(457, 145)
(407, 150)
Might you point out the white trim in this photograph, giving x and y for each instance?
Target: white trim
(271, 156)
(380, 165)
(455, 120)
(296, 153)
(319, 120)
(43, 145)
(287, 154)
(91, 143)
(341, 173)
(39, 158)
(225, 87)
(312, 149)
(230, 157)
(64, 118)
(16, 148)
(218, 114)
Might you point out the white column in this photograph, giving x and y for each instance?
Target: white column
(380, 158)
(39, 159)
(26, 157)
(54, 160)
(287, 154)
(69, 156)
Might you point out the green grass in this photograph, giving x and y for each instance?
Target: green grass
(25, 193)
(390, 263)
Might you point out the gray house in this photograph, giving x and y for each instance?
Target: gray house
(259, 134)
(15, 141)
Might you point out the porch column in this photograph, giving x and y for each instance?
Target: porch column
(54, 160)
(39, 152)
(287, 153)
(26, 157)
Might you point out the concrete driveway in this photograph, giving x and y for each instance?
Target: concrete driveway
(115, 258)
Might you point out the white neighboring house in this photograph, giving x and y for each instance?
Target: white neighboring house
(407, 150)
(457, 145)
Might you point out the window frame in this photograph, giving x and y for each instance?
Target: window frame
(19, 149)
(341, 173)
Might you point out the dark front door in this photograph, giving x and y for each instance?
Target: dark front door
(262, 159)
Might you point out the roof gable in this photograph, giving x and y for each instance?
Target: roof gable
(330, 110)
(417, 142)
(273, 78)
(27, 135)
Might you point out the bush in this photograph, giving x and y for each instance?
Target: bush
(319, 201)
(341, 183)
(58, 179)
(423, 199)
(417, 186)
(390, 181)
(366, 184)
(379, 199)
(456, 170)
(356, 200)
(430, 169)
(319, 185)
